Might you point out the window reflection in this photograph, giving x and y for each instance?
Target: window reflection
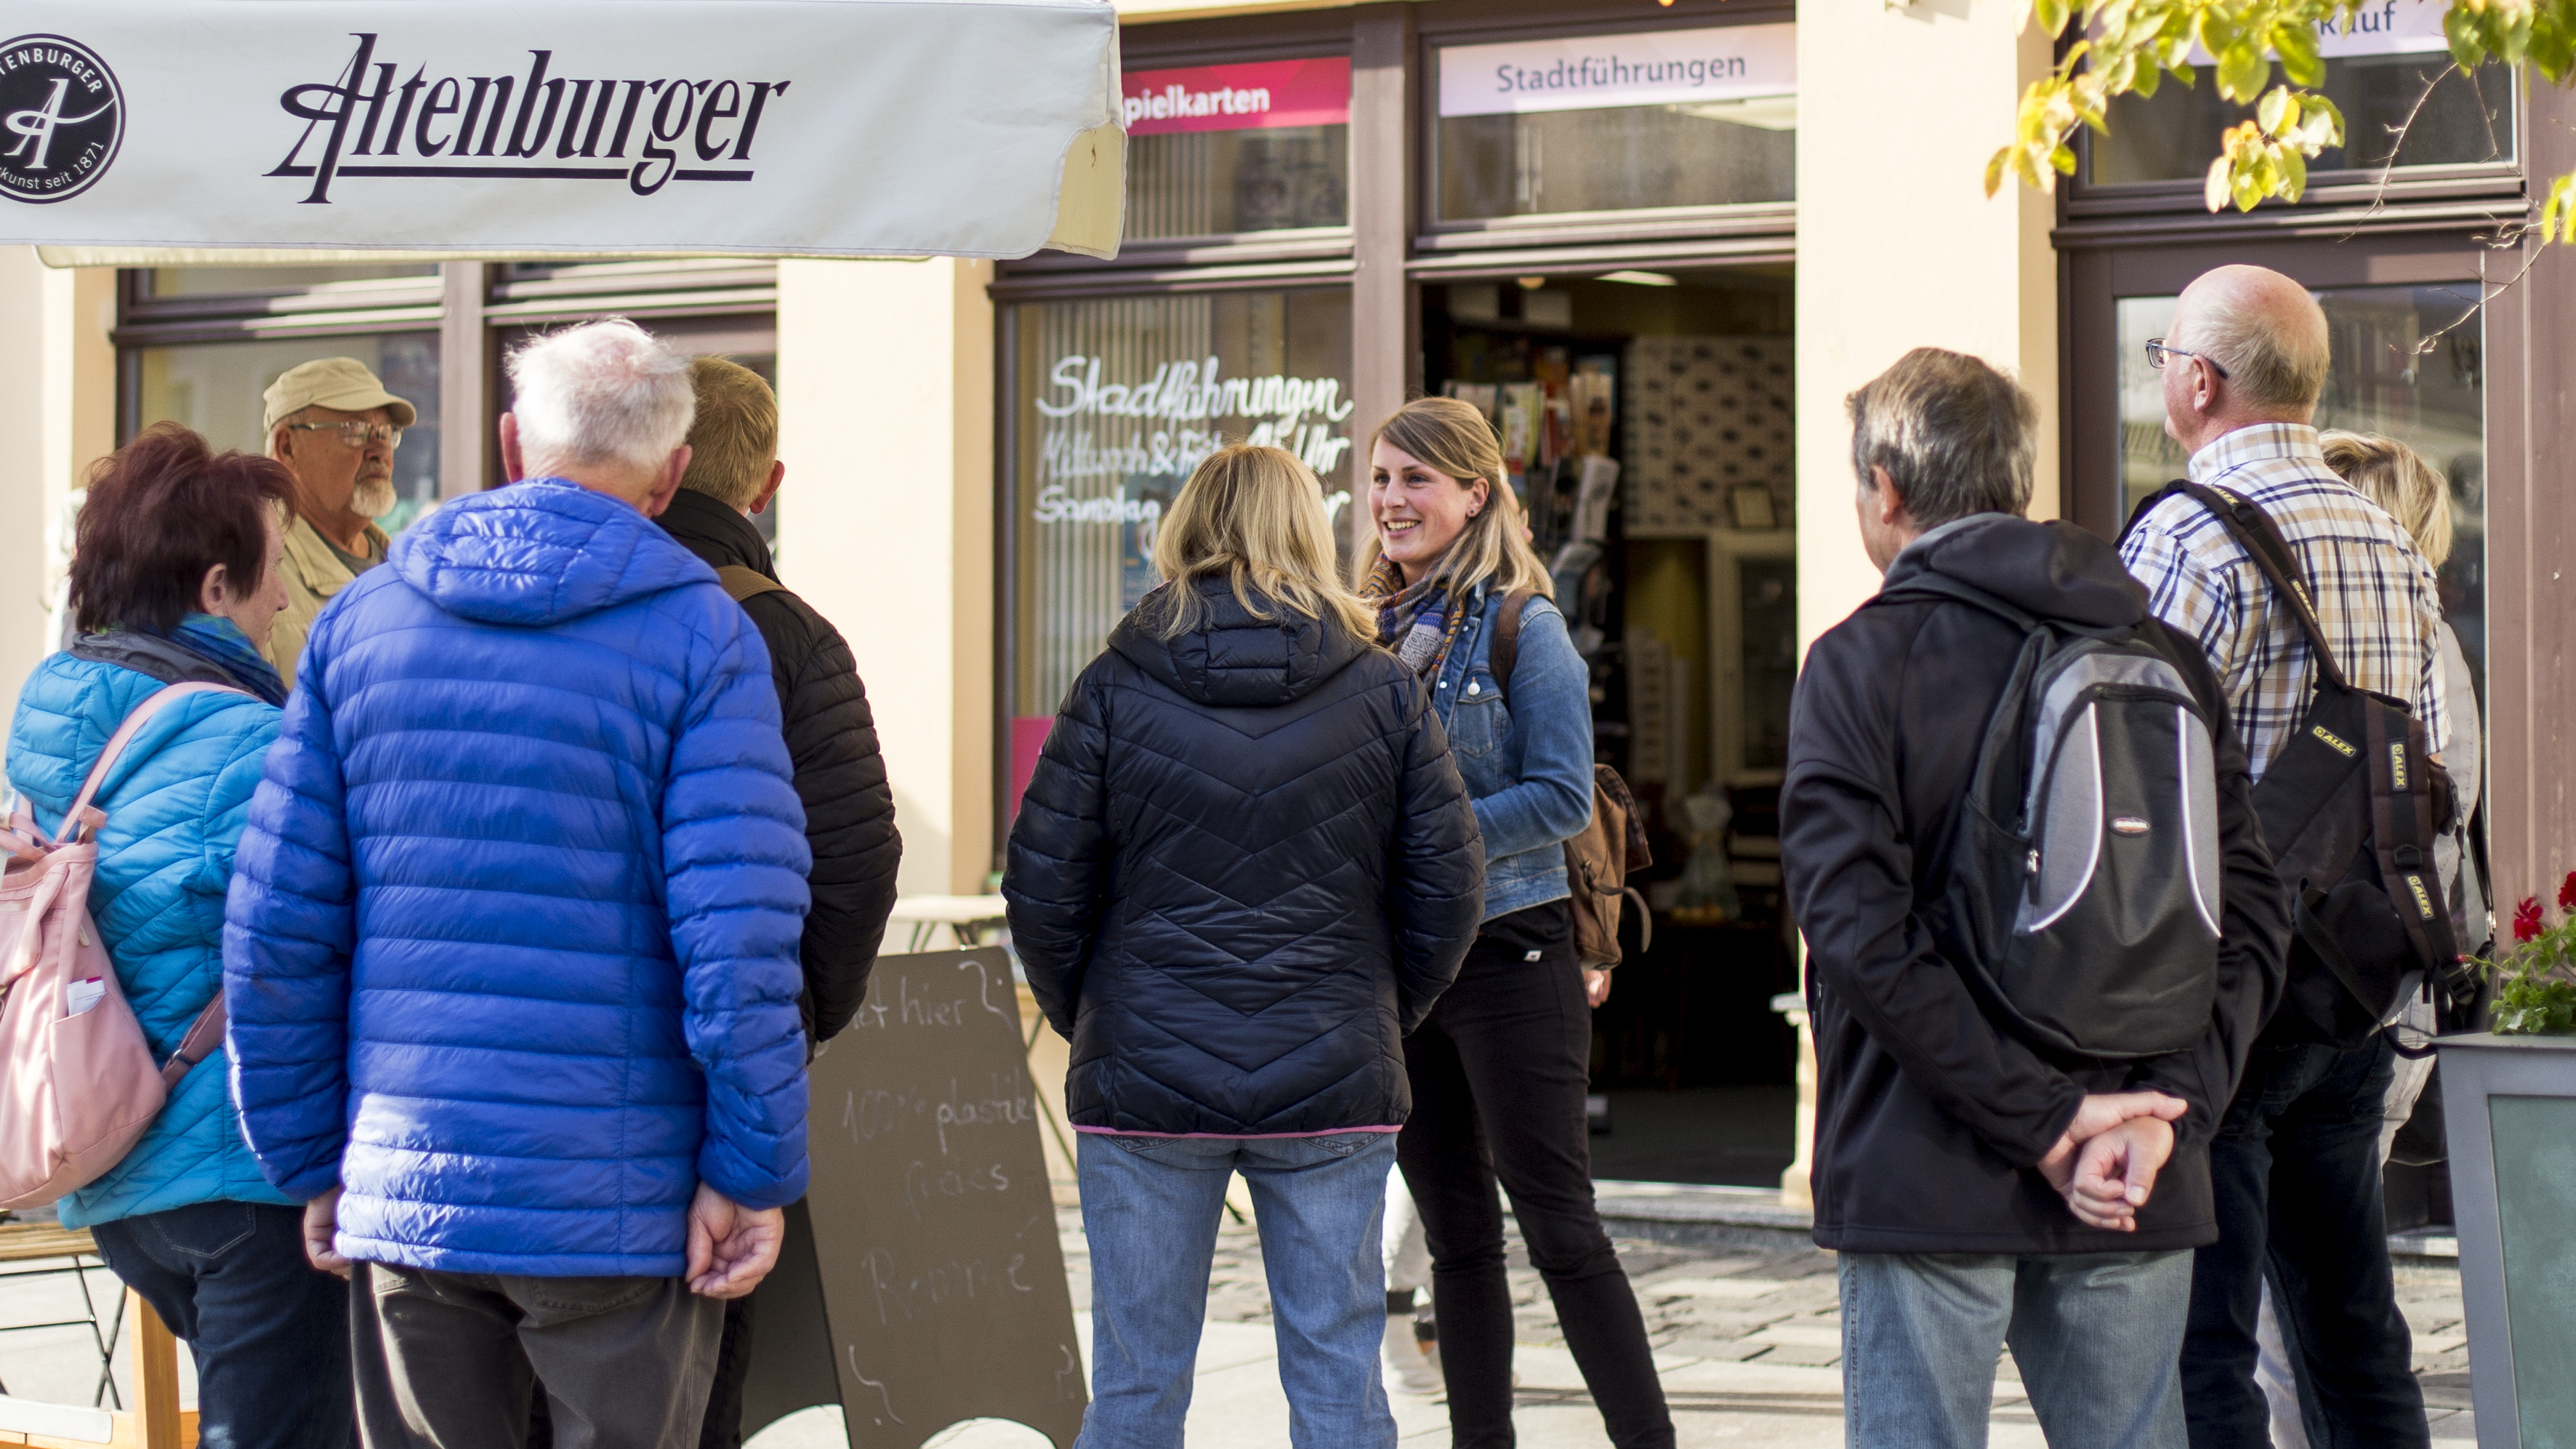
(1205, 183)
(2466, 118)
(1710, 153)
(2406, 365)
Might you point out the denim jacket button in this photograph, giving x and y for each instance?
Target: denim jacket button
(1472, 687)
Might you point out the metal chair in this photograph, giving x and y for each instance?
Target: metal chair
(58, 1250)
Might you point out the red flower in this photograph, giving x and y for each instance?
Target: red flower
(2567, 893)
(2526, 919)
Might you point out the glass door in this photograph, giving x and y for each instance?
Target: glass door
(2407, 364)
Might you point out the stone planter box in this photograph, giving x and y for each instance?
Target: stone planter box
(2510, 1107)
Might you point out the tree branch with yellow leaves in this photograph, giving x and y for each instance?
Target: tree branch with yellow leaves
(2130, 47)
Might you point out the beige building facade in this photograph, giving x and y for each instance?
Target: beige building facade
(1657, 242)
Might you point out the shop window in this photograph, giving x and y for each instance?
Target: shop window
(2378, 71)
(1220, 149)
(750, 341)
(2407, 363)
(215, 388)
(1618, 122)
(1112, 403)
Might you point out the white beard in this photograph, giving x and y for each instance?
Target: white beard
(374, 497)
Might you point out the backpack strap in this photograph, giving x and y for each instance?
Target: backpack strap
(1506, 655)
(744, 583)
(205, 1034)
(2262, 541)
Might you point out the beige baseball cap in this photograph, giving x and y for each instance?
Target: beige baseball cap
(331, 382)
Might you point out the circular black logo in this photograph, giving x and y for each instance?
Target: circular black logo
(61, 117)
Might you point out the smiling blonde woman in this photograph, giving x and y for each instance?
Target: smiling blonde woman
(1500, 1068)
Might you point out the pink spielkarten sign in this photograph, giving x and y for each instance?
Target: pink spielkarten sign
(1248, 97)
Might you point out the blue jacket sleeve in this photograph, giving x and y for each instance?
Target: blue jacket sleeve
(290, 923)
(734, 860)
(1059, 854)
(1551, 711)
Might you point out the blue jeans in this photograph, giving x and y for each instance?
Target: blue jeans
(1150, 1207)
(2095, 1336)
(270, 1334)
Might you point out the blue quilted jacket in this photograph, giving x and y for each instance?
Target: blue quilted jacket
(512, 944)
(175, 804)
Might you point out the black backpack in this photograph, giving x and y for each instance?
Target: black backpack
(2085, 862)
(2350, 809)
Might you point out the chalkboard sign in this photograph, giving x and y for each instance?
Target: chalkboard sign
(923, 1283)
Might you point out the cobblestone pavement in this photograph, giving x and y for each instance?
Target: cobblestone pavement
(1748, 1343)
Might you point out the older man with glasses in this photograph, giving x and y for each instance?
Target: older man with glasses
(334, 426)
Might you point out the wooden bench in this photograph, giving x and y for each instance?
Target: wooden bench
(156, 1421)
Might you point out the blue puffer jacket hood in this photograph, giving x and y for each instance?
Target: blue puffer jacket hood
(175, 803)
(512, 942)
(552, 552)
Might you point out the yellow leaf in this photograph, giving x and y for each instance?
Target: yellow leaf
(2273, 109)
(1995, 173)
(2214, 190)
(2242, 71)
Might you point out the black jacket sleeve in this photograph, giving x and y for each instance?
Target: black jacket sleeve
(1059, 854)
(1848, 859)
(849, 807)
(2253, 940)
(1435, 868)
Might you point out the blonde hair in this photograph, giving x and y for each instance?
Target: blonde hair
(1256, 516)
(2399, 479)
(735, 438)
(1452, 437)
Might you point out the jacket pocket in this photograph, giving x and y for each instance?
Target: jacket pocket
(1478, 724)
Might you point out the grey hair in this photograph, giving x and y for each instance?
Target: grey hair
(2273, 367)
(1956, 436)
(602, 392)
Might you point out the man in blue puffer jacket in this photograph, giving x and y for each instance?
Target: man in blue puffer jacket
(511, 950)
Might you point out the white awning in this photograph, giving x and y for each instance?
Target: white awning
(163, 132)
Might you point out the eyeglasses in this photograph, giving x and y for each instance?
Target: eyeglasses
(356, 435)
(2157, 352)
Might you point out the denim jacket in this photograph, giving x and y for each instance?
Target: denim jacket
(1529, 766)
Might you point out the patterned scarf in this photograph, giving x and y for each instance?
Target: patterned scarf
(1420, 623)
(221, 642)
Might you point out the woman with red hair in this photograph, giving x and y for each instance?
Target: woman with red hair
(174, 579)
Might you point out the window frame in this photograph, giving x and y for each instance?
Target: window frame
(1471, 22)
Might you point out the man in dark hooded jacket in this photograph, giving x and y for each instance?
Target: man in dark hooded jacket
(1980, 1189)
(734, 473)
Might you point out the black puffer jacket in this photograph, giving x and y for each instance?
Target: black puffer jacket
(1929, 1116)
(1244, 869)
(832, 738)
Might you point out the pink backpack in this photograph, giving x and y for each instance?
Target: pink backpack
(77, 1081)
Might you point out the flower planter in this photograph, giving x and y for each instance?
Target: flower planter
(2510, 1104)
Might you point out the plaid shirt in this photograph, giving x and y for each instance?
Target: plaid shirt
(2374, 594)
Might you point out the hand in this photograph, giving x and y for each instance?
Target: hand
(2115, 1172)
(321, 1224)
(731, 1247)
(2099, 1113)
(1596, 987)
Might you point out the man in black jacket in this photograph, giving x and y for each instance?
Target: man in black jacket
(733, 474)
(1980, 1189)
